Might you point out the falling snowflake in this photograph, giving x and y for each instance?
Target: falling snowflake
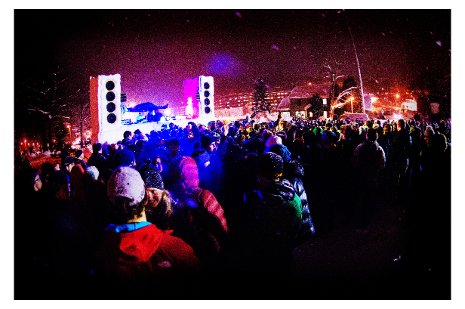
(439, 43)
(238, 14)
(275, 47)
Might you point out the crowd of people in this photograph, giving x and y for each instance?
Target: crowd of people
(190, 208)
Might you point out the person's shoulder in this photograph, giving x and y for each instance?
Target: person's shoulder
(175, 244)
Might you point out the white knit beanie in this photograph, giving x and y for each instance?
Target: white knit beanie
(126, 182)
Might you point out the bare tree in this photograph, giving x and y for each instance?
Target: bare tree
(260, 101)
(52, 101)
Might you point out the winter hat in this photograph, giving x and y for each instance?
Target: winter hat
(273, 140)
(185, 172)
(124, 157)
(151, 177)
(201, 157)
(281, 150)
(206, 140)
(92, 172)
(271, 165)
(126, 182)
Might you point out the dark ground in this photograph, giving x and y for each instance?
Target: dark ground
(384, 261)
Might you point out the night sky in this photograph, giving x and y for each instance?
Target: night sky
(155, 50)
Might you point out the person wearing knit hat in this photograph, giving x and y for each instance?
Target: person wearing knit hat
(198, 216)
(271, 165)
(272, 218)
(273, 140)
(135, 248)
(158, 202)
(126, 182)
(280, 150)
(208, 142)
(151, 177)
(92, 172)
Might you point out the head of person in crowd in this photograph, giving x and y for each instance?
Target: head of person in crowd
(173, 146)
(372, 135)
(32, 180)
(96, 148)
(362, 132)
(60, 187)
(157, 162)
(328, 125)
(270, 169)
(158, 201)
(272, 140)
(124, 157)
(207, 141)
(126, 191)
(429, 135)
(266, 134)
(92, 173)
(401, 124)
(387, 128)
(69, 163)
(280, 150)
(138, 135)
(212, 125)
(184, 174)
(369, 124)
(201, 157)
(127, 135)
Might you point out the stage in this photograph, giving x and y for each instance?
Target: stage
(115, 135)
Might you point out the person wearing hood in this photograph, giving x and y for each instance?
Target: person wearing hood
(198, 216)
(134, 250)
(273, 216)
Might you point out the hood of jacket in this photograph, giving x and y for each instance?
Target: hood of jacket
(186, 173)
(137, 245)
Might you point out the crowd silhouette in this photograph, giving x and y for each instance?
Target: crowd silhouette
(225, 210)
